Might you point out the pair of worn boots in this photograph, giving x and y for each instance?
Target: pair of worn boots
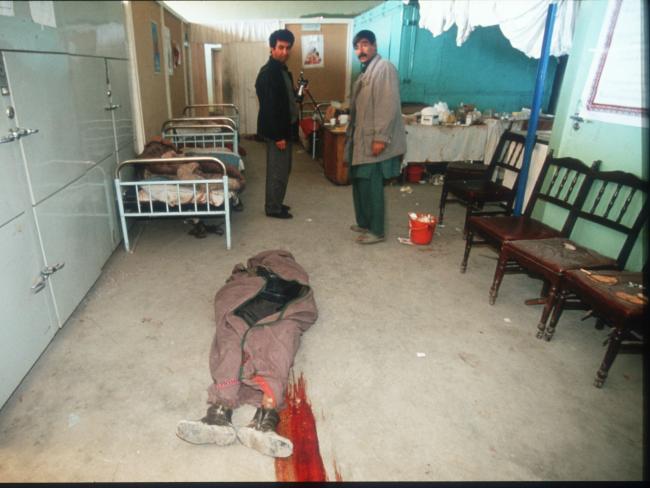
(217, 428)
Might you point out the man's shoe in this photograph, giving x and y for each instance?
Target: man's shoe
(283, 214)
(285, 208)
(215, 428)
(361, 230)
(369, 238)
(261, 436)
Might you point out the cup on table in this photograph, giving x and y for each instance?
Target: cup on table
(343, 119)
(333, 121)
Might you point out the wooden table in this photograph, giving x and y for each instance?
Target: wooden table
(333, 144)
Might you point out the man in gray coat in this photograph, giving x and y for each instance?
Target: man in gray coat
(375, 137)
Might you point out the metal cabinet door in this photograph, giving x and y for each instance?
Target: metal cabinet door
(75, 228)
(28, 321)
(14, 193)
(65, 98)
(120, 100)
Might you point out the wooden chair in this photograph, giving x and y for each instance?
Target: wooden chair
(563, 183)
(490, 189)
(606, 205)
(616, 297)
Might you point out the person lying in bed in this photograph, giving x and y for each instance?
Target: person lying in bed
(159, 148)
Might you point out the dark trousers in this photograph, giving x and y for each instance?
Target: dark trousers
(368, 196)
(278, 167)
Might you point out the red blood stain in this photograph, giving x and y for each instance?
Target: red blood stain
(298, 424)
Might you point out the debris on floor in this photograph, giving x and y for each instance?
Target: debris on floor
(73, 419)
(507, 320)
(421, 354)
(405, 240)
(406, 189)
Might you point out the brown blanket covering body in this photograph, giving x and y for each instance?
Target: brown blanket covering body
(246, 362)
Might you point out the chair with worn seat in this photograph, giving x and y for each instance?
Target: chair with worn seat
(616, 297)
(616, 201)
(562, 183)
(498, 185)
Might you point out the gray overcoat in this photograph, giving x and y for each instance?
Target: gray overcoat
(375, 115)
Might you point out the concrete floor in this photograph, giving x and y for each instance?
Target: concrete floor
(488, 401)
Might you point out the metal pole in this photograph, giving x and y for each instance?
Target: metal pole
(536, 108)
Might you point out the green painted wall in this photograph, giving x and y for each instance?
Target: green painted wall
(385, 21)
(486, 70)
(619, 147)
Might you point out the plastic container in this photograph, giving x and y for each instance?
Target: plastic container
(414, 172)
(422, 232)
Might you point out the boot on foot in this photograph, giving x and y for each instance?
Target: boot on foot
(260, 434)
(215, 428)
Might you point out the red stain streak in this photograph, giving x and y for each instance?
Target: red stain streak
(298, 424)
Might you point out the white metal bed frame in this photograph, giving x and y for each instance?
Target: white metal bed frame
(229, 110)
(191, 209)
(201, 132)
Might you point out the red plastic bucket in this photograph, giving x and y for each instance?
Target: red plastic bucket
(422, 232)
(414, 173)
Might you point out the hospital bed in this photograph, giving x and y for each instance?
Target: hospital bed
(164, 196)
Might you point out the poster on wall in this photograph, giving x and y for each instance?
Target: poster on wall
(312, 51)
(616, 84)
(156, 49)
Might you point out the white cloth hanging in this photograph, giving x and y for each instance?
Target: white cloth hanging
(234, 31)
(522, 22)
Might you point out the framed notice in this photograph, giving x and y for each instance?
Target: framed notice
(312, 51)
(616, 86)
(156, 47)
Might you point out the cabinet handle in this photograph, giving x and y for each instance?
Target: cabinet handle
(39, 285)
(112, 107)
(18, 132)
(10, 138)
(49, 270)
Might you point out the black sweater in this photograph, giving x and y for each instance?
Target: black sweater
(274, 117)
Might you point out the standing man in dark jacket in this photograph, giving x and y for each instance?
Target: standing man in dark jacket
(277, 120)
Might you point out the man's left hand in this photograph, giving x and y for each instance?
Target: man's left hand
(378, 147)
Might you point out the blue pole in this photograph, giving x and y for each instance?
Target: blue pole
(536, 108)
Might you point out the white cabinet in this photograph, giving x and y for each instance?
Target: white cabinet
(28, 320)
(76, 228)
(57, 201)
(65, 98)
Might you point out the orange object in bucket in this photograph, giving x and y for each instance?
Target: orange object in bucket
(421, 232)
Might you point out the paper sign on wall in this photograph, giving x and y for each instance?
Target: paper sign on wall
(7, 8)
(616, 85)
(156, 49)
(312, 51)
(42, 12)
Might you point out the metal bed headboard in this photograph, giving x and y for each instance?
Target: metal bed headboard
(201, 132)
(227, 109)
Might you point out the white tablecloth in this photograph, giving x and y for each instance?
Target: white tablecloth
(438, 143)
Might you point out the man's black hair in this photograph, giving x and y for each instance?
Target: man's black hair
(364, 34)
(281, 35)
